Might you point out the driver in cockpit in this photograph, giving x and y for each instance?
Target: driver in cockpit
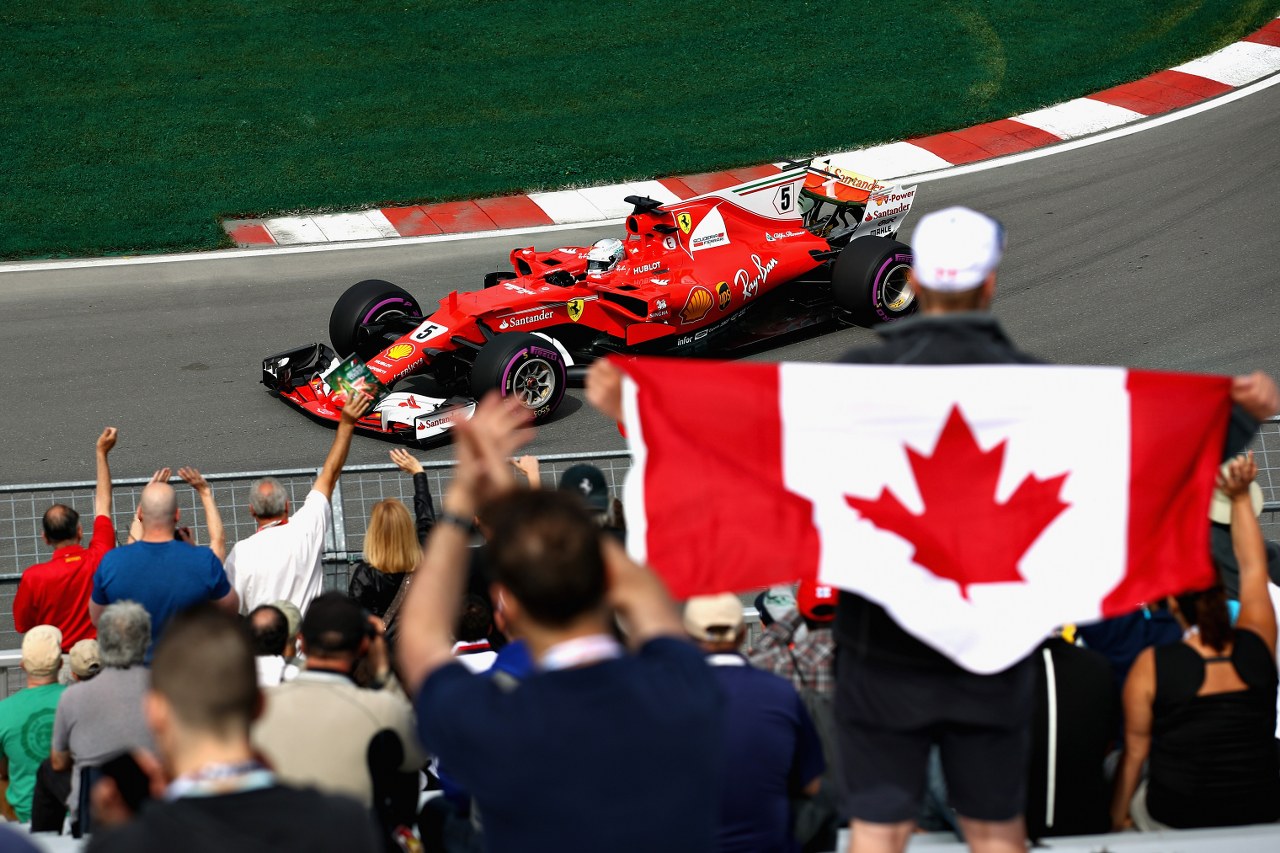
(604, 256)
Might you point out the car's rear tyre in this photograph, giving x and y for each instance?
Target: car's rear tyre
(365, 303)
(523, 366)
(869, 281)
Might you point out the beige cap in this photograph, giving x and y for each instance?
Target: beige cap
(42, 651)
(292, 615)
(85, 662)
(1220, 505)
(713, 617)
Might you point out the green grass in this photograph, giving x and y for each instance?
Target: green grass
(133, 126)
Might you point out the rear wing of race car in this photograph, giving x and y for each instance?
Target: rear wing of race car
(841, 204)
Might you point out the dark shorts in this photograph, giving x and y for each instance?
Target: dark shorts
(888, 718)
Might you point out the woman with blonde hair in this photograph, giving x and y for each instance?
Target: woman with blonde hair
(392, 543)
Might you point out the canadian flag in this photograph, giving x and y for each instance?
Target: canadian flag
(982, 506)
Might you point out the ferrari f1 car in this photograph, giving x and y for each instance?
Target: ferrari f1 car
(719, 274)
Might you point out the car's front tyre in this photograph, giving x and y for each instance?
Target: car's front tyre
(522, 366)
(367, 303)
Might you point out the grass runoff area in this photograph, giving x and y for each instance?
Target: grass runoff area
(130, 126)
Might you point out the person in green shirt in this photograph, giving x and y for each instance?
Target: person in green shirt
(26, 719)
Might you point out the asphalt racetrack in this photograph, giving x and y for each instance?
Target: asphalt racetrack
(1156, 250)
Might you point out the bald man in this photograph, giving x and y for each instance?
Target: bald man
(162, 573)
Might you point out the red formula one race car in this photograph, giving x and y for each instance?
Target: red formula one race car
(720, 274)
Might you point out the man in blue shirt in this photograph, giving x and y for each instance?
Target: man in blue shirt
(163, 574)
(772, 751)
(599, 749)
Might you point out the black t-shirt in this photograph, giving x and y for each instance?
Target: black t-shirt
(270, 820)
(622, 756)
(1213, 758)
(1085, 708)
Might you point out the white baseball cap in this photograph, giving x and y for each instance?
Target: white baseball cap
(956, 249)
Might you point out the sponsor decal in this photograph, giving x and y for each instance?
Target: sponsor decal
(325, 410)
(658, 315)
(723, 295)
(697, 305)
(685, 221)
(388, 365)
(409, 403)
(568, 252)
(400, 351)
(427, 331)
(751, 284)
(515, 288)
(891, 197)
(669, 242)
(857, 180)
(574, 307)
(696, 336)
(647, 268)
(782, 235)
(542, 314)
(710, 232)
(660, 305)
(888, 211)
(662, 282)
(544, 353)
(432, 422)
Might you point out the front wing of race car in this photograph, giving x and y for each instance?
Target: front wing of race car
(298, 377)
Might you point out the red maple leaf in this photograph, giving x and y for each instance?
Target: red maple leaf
(964, 535)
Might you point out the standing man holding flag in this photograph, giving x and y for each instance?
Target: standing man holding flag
(896, 695)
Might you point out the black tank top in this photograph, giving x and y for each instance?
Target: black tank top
(1214, 760)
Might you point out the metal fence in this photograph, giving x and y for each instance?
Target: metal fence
(360, 487)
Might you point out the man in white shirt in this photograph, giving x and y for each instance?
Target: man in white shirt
(282, 559)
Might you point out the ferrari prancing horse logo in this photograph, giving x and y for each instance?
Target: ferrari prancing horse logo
(685, 221)
(575, 307)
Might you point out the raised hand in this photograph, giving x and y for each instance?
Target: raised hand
(193, 478)
(528, 465)
(1240, 472)
(604, 388)
(1257, 394)
(484, 444)
(356, 407)
(107, 440)
(406, 461)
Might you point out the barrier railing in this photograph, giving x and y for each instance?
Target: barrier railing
(360, 487)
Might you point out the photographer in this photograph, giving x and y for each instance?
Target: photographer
(316, 729)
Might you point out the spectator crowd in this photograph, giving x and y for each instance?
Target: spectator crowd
(501, 675)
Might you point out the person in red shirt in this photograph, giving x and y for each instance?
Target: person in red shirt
(57, 592)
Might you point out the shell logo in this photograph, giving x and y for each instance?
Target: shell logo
(697, 305)
(400, 351)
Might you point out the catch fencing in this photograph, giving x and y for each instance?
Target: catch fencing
(359, 488)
